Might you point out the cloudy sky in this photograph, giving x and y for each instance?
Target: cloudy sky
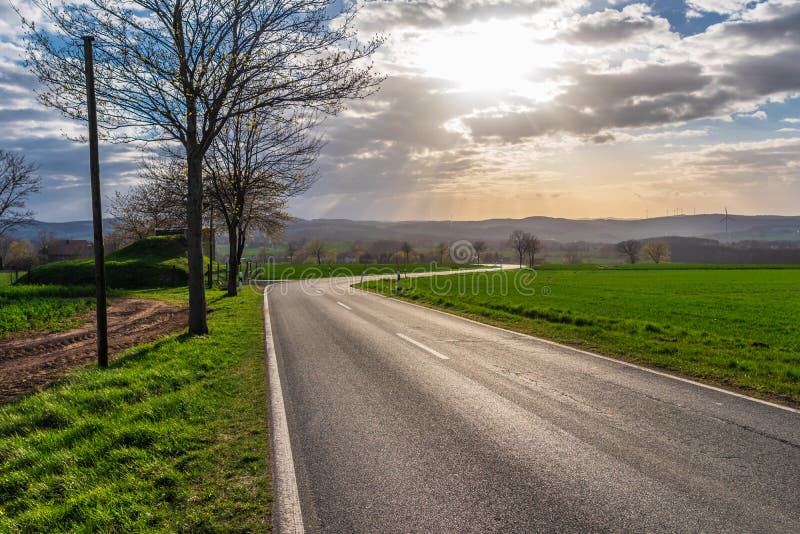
(512, 108)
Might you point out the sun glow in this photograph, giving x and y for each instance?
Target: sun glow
(498, 55)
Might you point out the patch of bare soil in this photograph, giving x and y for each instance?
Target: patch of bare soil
(31, 363)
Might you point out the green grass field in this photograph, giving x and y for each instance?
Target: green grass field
(6, 278)
(171, 438)
(732, 327)
(51, 308)
(148, 263)
(285, 271)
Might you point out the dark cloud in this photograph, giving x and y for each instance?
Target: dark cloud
(597, 90)
(612, 26)
(383, 15)
(602, 138)
(653, 95)
(649, 96)
(766, 75)
(783, 27)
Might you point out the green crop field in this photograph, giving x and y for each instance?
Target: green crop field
(51, 308)
(735, 327)
(171, 438)
(285, 271)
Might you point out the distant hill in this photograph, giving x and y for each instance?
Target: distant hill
(740, 228)
(425, 233)
(64, 230)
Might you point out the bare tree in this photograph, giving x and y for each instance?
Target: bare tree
(179, 70)
(406, 249)
(532, 246)
(253, 167)
(317, 249)
(442, 249)
(657, 251)
(17, 181)
(384, 250)
(629, 249)
(158, 202)
(291, 249)
(518, 243)
(480, 248)
(573, 256)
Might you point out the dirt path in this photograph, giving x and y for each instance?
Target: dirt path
(33, 362)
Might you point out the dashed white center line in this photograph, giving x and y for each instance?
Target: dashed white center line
(345, 306)
(423, 347)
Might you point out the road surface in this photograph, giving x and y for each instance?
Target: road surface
(404, 419)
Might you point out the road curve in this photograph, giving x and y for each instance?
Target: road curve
(404, 419)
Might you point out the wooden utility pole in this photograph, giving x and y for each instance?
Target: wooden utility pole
(97, 212)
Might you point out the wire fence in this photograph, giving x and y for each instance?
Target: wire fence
(8, 277)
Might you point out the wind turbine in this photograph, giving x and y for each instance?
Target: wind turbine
(725, 219)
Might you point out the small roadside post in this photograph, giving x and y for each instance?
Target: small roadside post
(211, 246)
(97, 212)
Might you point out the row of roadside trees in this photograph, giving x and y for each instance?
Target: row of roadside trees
(186, 73)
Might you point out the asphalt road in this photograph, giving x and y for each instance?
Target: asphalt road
(403, 419)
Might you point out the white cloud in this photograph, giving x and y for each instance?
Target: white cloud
(760, 115)
(752, 160)
(724, 7)
(634, 25)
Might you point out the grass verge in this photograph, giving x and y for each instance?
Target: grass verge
(171, 438)
(734, 328)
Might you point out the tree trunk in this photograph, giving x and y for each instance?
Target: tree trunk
(520, 260)
(194, 238)
(233, 275)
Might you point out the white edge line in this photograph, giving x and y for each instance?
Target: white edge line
(345, 306)
(594, 355)
(423, 347)
(287, 513)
